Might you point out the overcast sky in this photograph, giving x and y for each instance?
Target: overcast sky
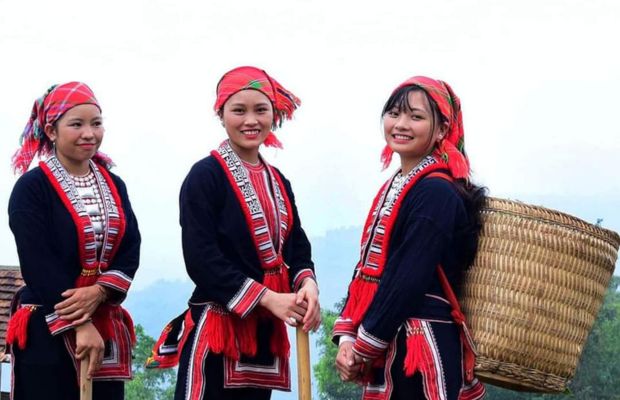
(538, 80)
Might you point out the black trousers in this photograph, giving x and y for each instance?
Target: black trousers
(44, 369)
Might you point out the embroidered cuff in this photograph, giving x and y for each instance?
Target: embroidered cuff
(57, 325)
(246, 298)
(344, 326)
(301, 275)
(368, 346)
(115, 279)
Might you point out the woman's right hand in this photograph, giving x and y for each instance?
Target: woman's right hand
(89, 343)
(284, 306)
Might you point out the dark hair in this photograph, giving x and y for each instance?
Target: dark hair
(473, 196)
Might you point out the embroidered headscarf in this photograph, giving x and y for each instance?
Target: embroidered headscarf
(241, 78)
(452, 147)
(46, 110)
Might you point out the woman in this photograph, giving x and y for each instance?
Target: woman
(401, 332)
(245, 250)
(78, 245)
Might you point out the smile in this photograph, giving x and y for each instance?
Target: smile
(252, 132)
(401, 137)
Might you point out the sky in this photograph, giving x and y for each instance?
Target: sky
(538, 81)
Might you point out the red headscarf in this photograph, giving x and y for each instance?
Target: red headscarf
(241, 78)
(452, 148)
(46, 110)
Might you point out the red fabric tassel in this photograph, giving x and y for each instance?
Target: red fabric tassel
(273, 141)
(278, 281)
(245, 330)
(414, 360)
(361, 293)
(386, 156)
(18, 327)
(279, 345)
(457, 162)
(220, 334)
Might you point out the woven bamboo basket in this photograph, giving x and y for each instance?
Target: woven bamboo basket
(533, 293)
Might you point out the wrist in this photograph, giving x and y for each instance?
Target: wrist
(103, 293)
(266, 298)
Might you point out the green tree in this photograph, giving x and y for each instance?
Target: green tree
(148, 384)
(596, 376)
(330, 385)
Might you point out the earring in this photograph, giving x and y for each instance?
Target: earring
(54, 146)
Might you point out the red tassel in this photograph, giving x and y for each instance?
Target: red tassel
(277, 280)
(279, 345)
(18, 327)
(220, 334)
(273, 141)
(414, 360)
(361, 293)
(457, 162)
(386, 156)
(245, 330)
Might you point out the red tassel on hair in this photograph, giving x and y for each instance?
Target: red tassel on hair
(386, 156)
(220, 334)
(18, 327)
(414, 358)
(361, 293)
(273, 141)
(457, 162)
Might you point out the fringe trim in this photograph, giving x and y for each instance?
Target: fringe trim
(361, 293)
(416, 346)
(17, 330)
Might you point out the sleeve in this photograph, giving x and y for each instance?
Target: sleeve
(118, 277)
(429, 220)
(43, 269)
(207, 266)
(299, 251)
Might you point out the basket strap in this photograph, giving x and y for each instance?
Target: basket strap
(469, 348)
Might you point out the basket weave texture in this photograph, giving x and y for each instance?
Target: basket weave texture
(533, 293)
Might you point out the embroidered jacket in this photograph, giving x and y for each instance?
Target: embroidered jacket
(48, 245)
(220, 255)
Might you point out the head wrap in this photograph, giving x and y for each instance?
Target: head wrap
(452, 147)
(241, 78)
(46, 110)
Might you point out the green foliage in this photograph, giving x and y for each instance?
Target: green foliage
(148, 384)
(330, 385)
(597, 376)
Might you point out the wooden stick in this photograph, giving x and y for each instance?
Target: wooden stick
(303, 365)
(86, 385)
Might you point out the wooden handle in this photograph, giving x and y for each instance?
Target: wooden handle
(303, 365)
(86, 385)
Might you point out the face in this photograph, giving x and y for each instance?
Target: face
(412, 132)
(247, 117)
(77, 134)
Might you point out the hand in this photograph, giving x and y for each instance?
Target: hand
(309, 293)
(346, 363)
(284, 306)
(80, 303)
(89, 344)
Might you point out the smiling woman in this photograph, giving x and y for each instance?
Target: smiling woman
(78, 245)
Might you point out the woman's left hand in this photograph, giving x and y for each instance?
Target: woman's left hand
(80, 303)
(309, 292)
